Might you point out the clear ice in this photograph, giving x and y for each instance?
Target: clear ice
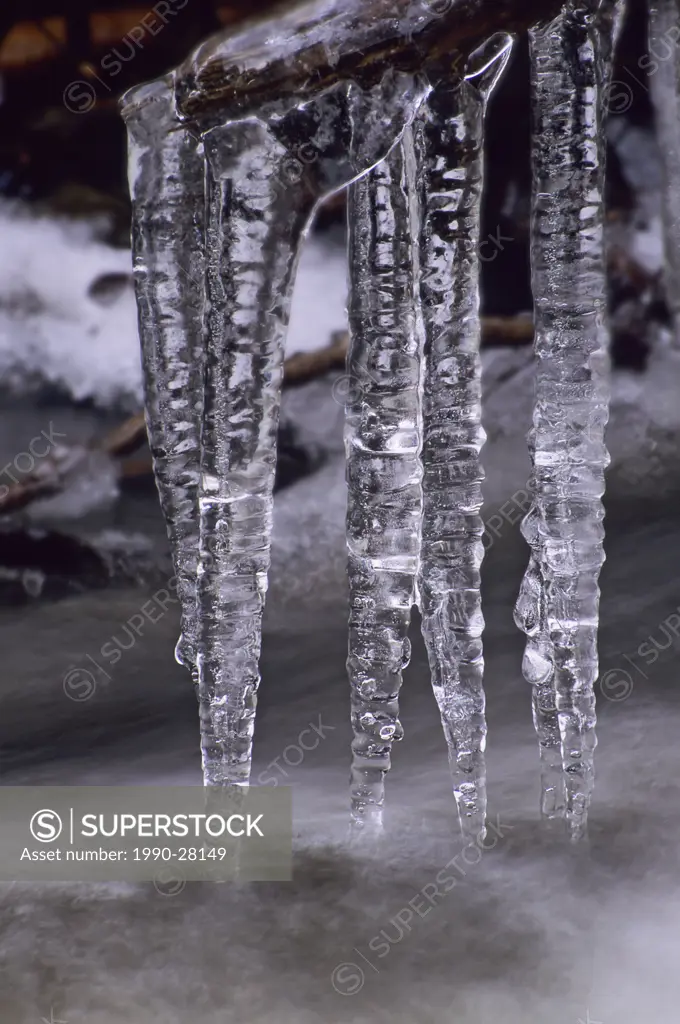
(167, 187)
(571, 60)
(229, 158)
(450, 145)
(384, 475)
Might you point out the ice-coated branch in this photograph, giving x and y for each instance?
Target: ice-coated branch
(558, 606)
(449, 142)
(166, 183)
(323, 42)
(383, 439)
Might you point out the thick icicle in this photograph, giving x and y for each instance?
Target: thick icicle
(383, 439)
(663, 69)
(166, 184)
(449, 139)
(254, 232)
(266, 176)
(558, 604)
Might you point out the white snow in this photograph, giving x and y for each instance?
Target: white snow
(52, 332)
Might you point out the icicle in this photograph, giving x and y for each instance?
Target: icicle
(450, 143)
(664, 77)
(266, 176)
(166, 184)
(558, 604)
(383, 440)
(254, 232)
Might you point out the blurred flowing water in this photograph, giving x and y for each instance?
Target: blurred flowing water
(527, 930)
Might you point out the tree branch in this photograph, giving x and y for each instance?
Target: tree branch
(322, 43)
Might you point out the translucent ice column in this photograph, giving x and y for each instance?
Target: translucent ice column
(449, 143)
(558, 603)
(166, 184)
(383, 440)
(255, 225)
(265, 175)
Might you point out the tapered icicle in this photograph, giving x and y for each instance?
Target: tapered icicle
(449, 138)
(383, 440)
(166, 184)
(254, 232)
(558, 604)
(266, 175)
(663, 69)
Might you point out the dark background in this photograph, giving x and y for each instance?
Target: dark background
(535, 931)
(63, 66)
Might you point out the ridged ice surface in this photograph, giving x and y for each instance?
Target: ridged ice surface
(663, 74)
(254, 230)
(220, 217)
(260, 200)
(558, 603)
(449, 140)
(383, 441)
(222, 202)
(166, 183)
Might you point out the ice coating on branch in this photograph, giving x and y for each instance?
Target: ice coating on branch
(383, 439)
(221, 213)
(664, 80)
(166, 184)
(449, 143)
(308, 46)
(559, 598)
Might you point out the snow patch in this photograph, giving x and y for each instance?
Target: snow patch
(55, 333)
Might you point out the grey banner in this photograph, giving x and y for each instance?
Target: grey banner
(168, 835)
